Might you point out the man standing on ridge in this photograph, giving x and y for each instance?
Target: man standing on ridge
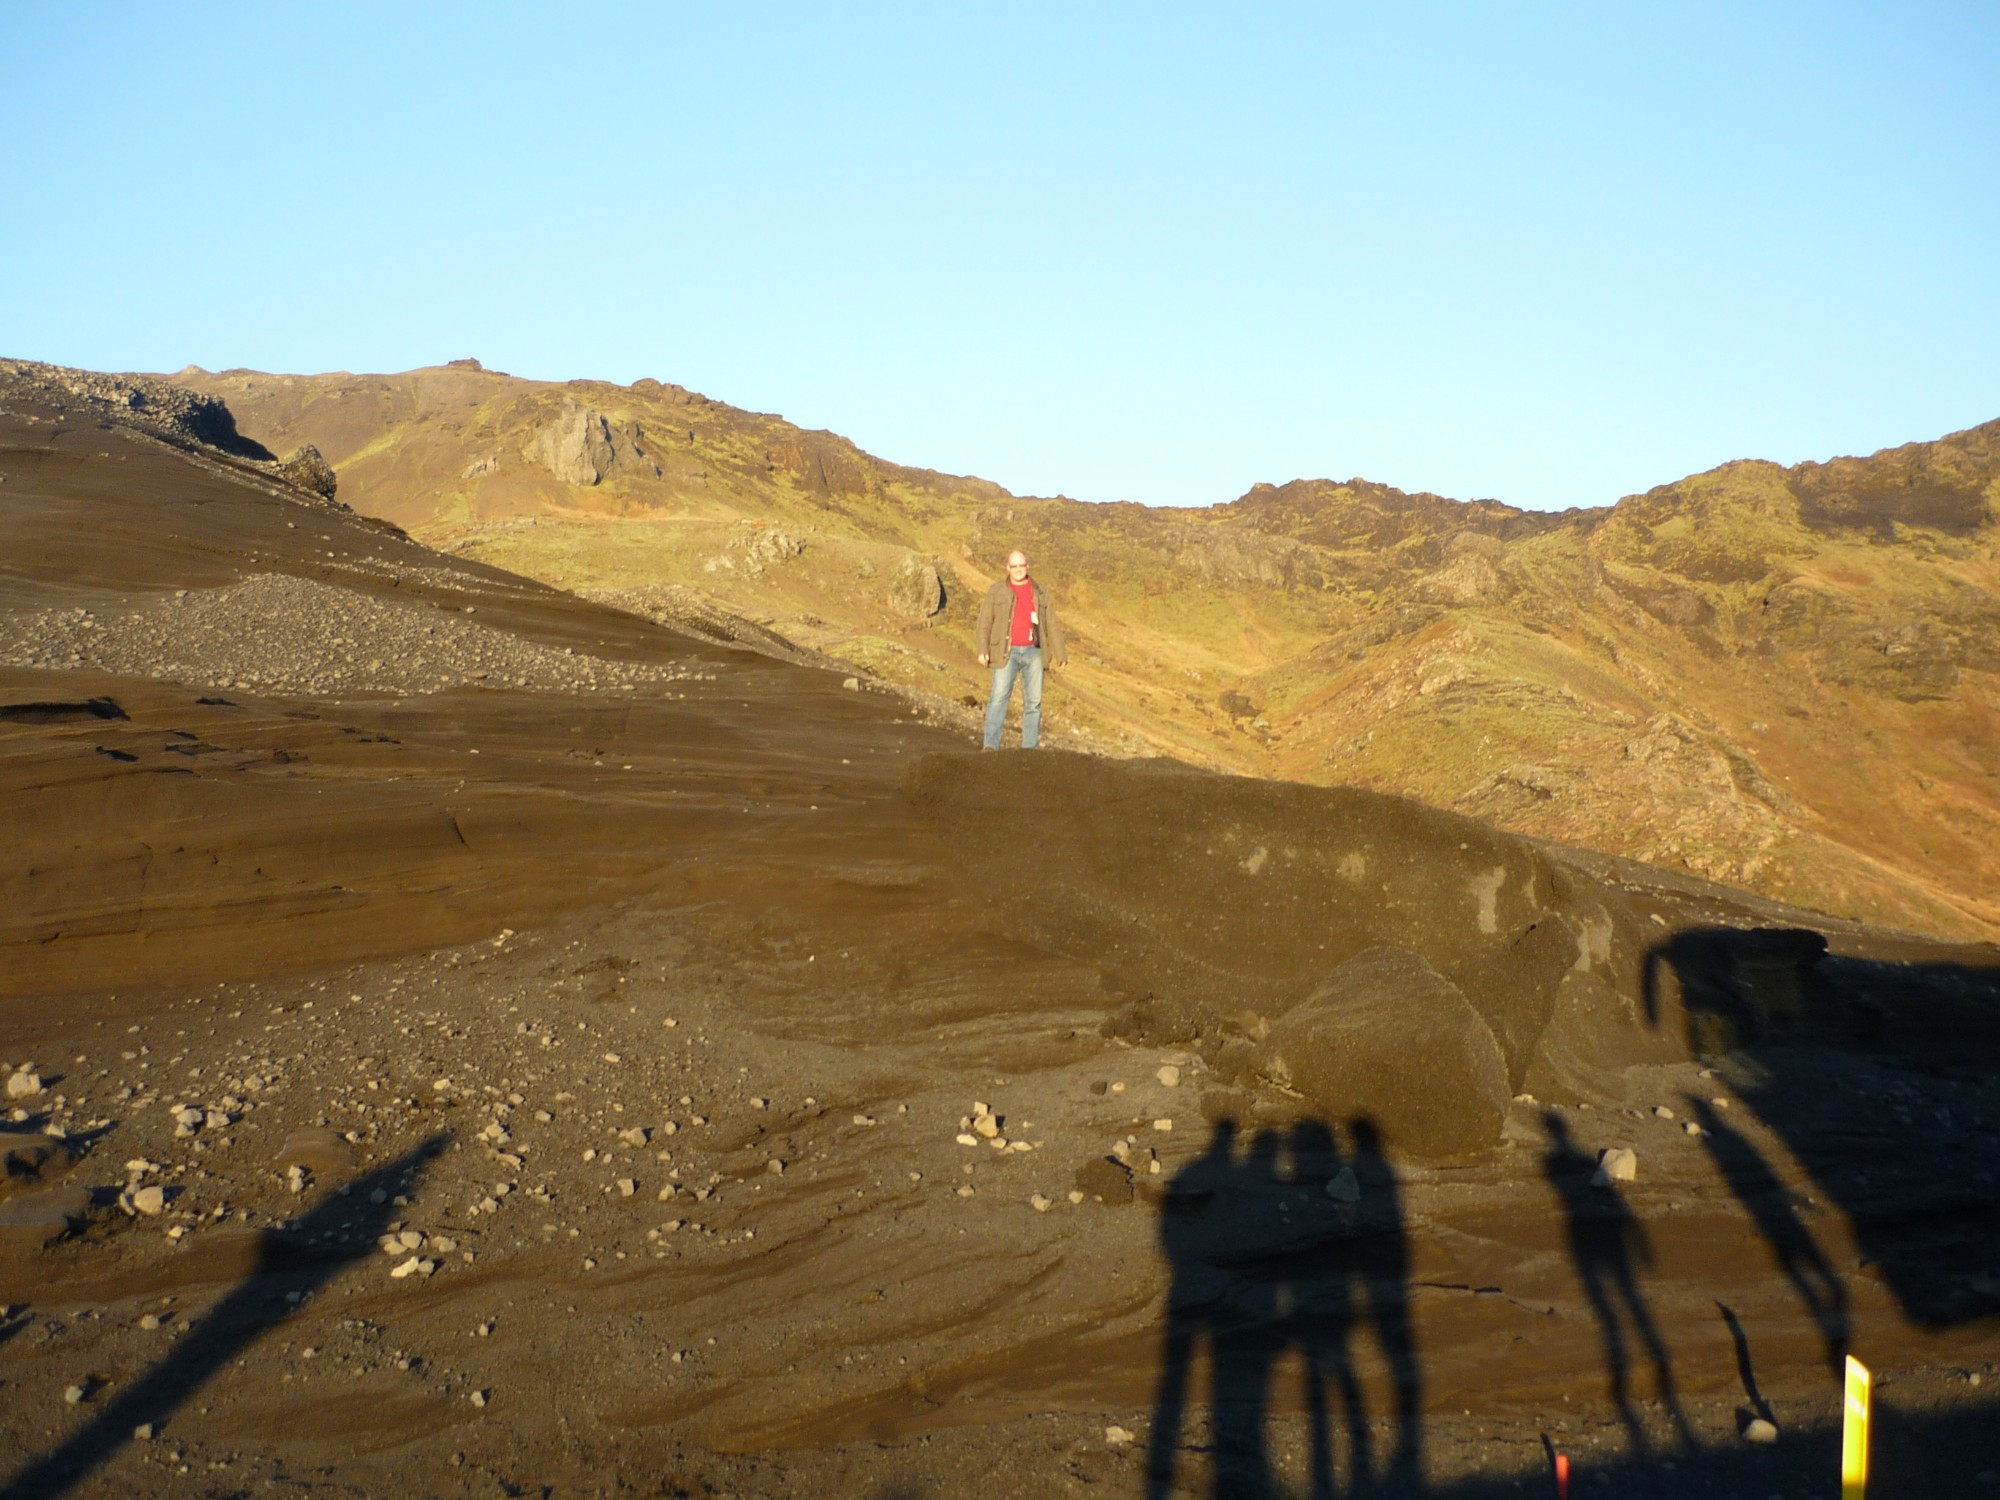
(1018, 631)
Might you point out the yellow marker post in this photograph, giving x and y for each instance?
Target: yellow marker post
(1854, 1433)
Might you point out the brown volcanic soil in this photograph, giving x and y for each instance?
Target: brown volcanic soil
(647, 985)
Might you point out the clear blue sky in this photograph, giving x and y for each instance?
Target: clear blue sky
(1547, 253)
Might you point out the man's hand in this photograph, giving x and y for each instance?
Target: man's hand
(984, 659)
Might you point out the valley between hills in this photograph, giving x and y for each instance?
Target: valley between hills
(1783, 679)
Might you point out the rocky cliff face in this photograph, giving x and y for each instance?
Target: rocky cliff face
(581, 446)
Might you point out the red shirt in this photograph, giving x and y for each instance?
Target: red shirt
(1023, 630)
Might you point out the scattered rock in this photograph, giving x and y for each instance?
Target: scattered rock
(1118, 1437)
(1759, 1430)
(1040, 1203)
(1345, 1187)
(1169, 1076)
(150, 1200)
(1616, 1164)
(24, 1084)
(1661, 1112)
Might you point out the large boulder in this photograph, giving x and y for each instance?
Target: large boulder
(1388, 1037)
(309, 471)
(917, 589)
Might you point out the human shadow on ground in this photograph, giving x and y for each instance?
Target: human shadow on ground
(1875, 1075)
(1765, 1198)
(1608, 1247)
(1291, 1247)
(294, 1261)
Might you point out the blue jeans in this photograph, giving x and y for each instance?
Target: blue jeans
(1024, 662)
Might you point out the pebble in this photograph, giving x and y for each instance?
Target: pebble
(24, 1085)
(480, 1398)
(627, 1187)
(150, 1201)
(1169, 1076)
(1345, 1187)
(1760, 1431)
(150, 1322)
(143, 1433)
(1039, 1203)
(966, 1138)
(1661, 1112)
(1616, 1164)
(1118, 1436)
(1163, 1124)
(1692, 1128)
(75, 1394)
(414, 1266)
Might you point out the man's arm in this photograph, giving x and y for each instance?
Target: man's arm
(984, 628)
(1052, 632)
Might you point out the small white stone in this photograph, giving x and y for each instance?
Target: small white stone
(1163, 1125)
(24, 1085)
(1616, 1164)
(150, 1201)
(1345, 1187)
(627, 1187)
(480, 1398)
(1169, 1076)
(966, 1138)
(1076, 1195)
(143, 1433)
(1759, 1430)
(1118, 1436)
(1661, 1112)
(1039, 1203)
(74, 1395)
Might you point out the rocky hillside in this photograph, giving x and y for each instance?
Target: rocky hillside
(1778, 678)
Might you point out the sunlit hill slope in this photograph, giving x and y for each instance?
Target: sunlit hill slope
(1778, 678)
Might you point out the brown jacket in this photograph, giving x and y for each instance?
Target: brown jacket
(996, 620)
